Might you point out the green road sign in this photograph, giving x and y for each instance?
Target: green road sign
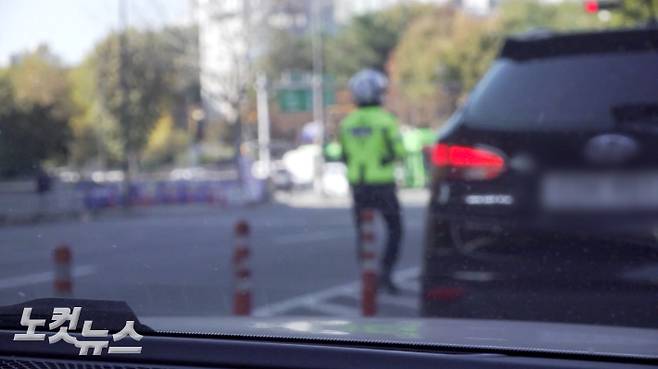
(298, 97)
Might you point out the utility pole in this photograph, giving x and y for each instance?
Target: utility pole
(124, 116)
(244, 57)
(263, 123)
(317, 85)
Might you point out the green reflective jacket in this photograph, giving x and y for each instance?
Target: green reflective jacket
(371, 143)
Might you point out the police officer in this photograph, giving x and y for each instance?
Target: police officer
(370, 142)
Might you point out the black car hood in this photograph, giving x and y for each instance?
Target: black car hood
(453, 334)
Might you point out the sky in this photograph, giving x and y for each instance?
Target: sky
(72, 27)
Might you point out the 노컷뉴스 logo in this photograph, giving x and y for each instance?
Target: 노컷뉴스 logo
(64, 319)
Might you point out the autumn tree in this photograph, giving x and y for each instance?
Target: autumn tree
(442, 54)
(518, 16)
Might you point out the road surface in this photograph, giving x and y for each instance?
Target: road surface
(176, 261)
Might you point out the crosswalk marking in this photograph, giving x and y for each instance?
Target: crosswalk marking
(320, 301)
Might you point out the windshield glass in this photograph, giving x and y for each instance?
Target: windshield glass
(590, 91)
(295, 166)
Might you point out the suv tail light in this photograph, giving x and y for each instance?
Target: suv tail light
(467, 163)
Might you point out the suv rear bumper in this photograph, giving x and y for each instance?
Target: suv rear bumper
(509, 218)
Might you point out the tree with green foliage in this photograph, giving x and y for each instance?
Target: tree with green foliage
(38, 78)
(96, 142)
(35, 109)
(286, 52)
(30, 134)
(161, 78)
(368, 40)
(136, 108)
(635, 13)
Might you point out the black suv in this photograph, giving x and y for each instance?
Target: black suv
(545, 184)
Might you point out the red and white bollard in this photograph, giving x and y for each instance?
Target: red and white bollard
(63, 283)
(368, 263)
(242, 271)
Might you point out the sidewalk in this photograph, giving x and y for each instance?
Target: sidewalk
(20, 204)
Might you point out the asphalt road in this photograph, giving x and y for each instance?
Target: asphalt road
(176, 261)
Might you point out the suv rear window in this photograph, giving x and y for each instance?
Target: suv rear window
(577, 91)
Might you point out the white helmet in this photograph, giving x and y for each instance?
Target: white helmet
(368, 86)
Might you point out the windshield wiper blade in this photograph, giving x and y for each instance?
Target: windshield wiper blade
(111, 315)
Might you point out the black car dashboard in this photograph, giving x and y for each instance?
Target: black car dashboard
(179, 351)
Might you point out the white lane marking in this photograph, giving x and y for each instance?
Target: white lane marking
(401, 301)
(405, 274)
(335, 310)
(311, 237)
(315, 300)
(412, 286)
(306, 300)
(42, 277)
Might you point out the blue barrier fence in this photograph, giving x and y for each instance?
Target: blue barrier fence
(150, 193)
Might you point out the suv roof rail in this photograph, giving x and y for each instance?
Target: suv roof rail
(538, 45)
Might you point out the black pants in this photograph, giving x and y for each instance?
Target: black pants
(384, 199)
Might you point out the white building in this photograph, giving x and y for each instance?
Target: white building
(479, 7)
(228, 31)
(232, 33)
(345, 9)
